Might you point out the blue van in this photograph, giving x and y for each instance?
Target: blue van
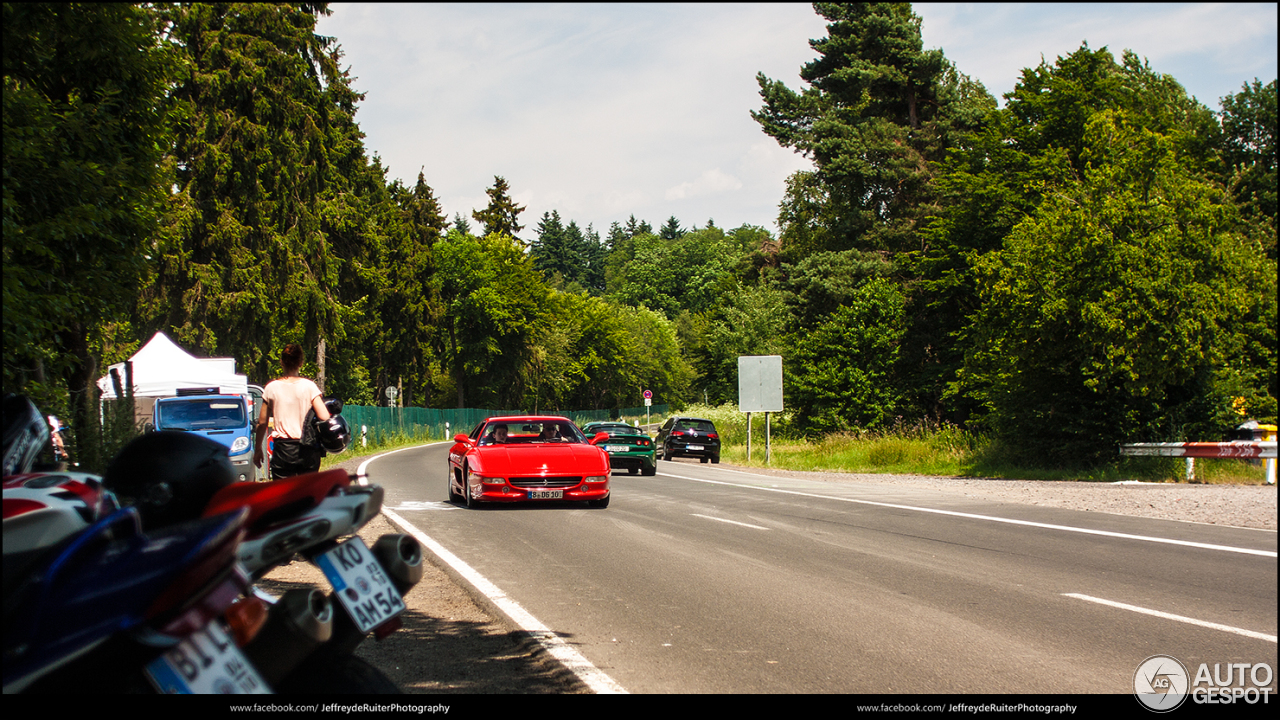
(225, 418)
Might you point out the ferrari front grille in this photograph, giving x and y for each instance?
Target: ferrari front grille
(545, 482)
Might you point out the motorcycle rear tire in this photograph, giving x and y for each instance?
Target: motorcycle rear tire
(325, 674)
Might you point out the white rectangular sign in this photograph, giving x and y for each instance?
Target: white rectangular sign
(760, 383)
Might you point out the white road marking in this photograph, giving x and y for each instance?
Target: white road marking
(592, 676)
(1170, 616)
(415, 505)
(731, 522)
(990, 518)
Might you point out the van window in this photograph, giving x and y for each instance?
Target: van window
(200, 414)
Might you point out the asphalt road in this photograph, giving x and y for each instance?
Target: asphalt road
(708, 580)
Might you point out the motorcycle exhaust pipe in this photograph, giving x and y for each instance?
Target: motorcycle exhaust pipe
(299, 623)
(401, 556)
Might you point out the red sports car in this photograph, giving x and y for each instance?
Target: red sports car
(509, 459)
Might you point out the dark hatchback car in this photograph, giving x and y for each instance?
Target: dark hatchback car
(689, 437)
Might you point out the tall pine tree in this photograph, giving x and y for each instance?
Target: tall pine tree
(502, 215)
(245, 264)
(878, 112)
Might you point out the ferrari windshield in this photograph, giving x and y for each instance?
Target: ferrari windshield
(520, 432)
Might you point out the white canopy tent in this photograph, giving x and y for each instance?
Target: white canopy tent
(161, 367)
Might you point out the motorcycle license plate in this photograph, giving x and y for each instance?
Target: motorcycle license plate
(546, 494)
(616, 448)
(208, 662)
(693, 447)
(361, 584)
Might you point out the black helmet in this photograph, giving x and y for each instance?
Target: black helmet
(334, 434)
(26, 432)
(169, 475)
(334, 405)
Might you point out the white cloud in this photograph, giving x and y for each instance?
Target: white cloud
(708, 183)
(604, 111)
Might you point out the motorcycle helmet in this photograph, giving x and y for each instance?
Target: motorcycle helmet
(169, 475)
(334, 434)
(42, 509)
(333, 405)
(25, 434)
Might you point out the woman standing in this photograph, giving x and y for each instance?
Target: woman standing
(287, 400)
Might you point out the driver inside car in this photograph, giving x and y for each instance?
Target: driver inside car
(497, 435)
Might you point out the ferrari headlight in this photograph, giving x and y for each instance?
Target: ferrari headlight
(478, 478)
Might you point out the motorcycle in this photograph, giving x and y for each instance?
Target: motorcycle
(315, 515)
(81, 608)
(91, 603)
(112, 609)
(308, 515)
(297, 642)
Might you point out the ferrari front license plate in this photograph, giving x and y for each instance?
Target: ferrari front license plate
(546, 494)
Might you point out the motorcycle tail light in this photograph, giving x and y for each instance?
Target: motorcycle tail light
(209, 605)
(245, 618)
(204, 582)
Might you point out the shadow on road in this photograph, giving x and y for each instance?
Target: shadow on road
(432, 654)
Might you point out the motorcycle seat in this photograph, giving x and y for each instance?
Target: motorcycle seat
(272, 501)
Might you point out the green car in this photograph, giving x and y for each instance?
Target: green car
(628, 447)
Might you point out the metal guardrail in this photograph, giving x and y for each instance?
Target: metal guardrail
(1244, 449)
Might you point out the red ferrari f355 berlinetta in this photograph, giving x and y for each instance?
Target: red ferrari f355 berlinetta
(528, 458)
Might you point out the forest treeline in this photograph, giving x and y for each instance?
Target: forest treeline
(1093, 262)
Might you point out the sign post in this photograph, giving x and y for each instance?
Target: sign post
(760, 390)
(648, 401)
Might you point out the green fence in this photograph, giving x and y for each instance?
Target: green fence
(381, 424)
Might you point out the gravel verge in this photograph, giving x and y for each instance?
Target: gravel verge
(1246, 506)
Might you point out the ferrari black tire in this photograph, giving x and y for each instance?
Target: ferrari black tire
(328, 674)
(466, 493)
(453, 496)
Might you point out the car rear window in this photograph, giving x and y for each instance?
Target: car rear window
(699, 425)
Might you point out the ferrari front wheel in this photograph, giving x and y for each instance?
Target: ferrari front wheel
(453, 496)
(466, 492)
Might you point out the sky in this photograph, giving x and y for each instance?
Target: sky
(601, 112)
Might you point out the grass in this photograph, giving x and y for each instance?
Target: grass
(940, 450)
(383, 443)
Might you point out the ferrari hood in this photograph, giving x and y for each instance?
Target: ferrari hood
(542, 459)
